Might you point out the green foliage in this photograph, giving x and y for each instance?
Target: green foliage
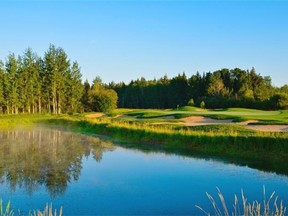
(75, 90)
(221, 89)
(216, 84)
(40, 85)
(191, 102)
(102, 99)
(52, 84)
(280, 101)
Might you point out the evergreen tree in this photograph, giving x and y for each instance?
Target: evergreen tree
(85, 97)
(56, 66)
(74, 89)
(11, 95)
(2, 102)
(29, 81)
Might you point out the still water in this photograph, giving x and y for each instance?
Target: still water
(92, 176)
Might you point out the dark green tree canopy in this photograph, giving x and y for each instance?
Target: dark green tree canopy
(101, 98)
(32, 84)
(52, 84)
(219, 89)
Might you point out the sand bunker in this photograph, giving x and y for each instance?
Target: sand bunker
(200, 120)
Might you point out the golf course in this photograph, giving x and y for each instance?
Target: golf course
(235, 134)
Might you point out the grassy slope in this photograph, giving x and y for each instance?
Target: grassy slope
(234, 142)
(236, 114)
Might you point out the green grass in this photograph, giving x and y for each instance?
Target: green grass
(223, 129)
(235, 114)
(190, 109)
(24, 120)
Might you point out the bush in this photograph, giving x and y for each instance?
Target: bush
(104, 100)
(191, 102)
(202, 105)
(279, 101)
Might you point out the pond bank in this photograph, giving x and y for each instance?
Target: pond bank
(261, 150)
(264, 151)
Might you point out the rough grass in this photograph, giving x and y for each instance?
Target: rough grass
(223, 129)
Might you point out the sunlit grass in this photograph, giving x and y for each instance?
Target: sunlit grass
(5, 210)
(235, 114)
(48, 211)
(270, 207)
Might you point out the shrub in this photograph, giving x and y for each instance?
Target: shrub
(191, 102)
(202, 105)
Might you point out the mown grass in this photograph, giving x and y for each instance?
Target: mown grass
(235, 114)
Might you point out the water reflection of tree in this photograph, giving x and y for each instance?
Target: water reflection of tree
(45, 157)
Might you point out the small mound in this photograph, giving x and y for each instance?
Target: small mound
(95, 115)
(270, 128)
(200, 120)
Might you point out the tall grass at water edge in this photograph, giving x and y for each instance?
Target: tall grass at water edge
(262, 150)
(204, 137)
(48, 211)
(245, 208)
(221, 139)
(233, 142)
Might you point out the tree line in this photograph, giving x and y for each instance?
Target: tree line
(53, 84)
(32, 84)
(219, 89)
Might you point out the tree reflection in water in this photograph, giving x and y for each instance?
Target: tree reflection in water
(45, 157)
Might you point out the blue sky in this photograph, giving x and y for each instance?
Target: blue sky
(124, 40)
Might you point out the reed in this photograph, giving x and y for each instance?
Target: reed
(270, 207)
(48, 211)
(5, 210)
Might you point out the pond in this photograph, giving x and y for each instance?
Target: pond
(89, 175)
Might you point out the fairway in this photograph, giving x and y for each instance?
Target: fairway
(234, 114)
